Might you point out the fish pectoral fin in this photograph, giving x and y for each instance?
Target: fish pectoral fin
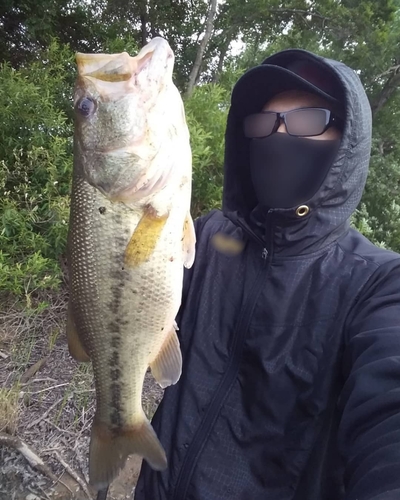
(189, 242)
(167, 366)
(75, 346)
(109, 450)
(144, 238)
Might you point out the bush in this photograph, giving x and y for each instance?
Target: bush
(206, 113)
(35, 170)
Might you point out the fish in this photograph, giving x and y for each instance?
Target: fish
(130, 236)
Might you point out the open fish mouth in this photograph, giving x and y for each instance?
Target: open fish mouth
(119, 71)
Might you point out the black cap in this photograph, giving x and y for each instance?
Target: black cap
(289, 71)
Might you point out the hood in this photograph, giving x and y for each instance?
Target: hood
(293, 231)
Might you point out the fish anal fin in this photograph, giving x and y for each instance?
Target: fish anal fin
(109, 450)
(144, 238)
(166, 368)
(189, 242)
(75, 345)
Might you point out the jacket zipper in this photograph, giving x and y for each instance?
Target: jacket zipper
(225, 385)
(251, 233)
(269, 233)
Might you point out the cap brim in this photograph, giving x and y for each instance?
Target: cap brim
(258, 85)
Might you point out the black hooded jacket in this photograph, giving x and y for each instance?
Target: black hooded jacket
(291, 348)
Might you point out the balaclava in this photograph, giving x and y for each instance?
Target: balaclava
(287, 171)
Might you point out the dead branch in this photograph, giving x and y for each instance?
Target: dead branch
(33, 370)
(35, 494)
(49, 388)
(45, 414)
(65, 431)
(36, 380)
(34, 460)
(44, 493)
(73, 474)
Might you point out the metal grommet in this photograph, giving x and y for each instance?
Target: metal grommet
(302, 210)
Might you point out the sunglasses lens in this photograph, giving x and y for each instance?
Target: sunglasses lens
(259, 125)
(306, 122)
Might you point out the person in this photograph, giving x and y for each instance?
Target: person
(290, 318)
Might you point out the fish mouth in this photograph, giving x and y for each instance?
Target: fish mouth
(106, 67)
(111, 69)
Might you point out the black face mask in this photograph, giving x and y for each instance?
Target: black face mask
(287, 171)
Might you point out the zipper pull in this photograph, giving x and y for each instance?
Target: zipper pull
(264, 253)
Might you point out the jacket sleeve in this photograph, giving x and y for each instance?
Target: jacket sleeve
(369, 432)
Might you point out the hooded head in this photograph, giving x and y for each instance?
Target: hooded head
(321, 209)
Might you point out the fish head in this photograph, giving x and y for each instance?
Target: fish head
(122, 119)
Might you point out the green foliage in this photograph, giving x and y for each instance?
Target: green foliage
(206, 112)
(28, 26)
(35, 170)
(37, 74)
(361, 220)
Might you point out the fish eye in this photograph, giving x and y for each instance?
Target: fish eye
(86, 106)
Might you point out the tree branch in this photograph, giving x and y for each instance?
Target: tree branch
(393, 69)
(229, 35)
(143, 22)
(73, 474)
(300, 11)
(33, 459)
(222, 55)
(391, 86)
(203, 44)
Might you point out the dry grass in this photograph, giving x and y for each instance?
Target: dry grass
(47, 399)
(9, 409)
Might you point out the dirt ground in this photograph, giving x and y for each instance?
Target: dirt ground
(47, 401)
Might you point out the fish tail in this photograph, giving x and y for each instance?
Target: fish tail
(109, 450)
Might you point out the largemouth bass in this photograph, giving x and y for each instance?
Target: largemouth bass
(130, 236)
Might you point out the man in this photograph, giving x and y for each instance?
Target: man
(290, 336)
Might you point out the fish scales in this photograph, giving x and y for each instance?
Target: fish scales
(130, 235)
(116, 298)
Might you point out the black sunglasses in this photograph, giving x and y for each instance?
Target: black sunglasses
(301, 122)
